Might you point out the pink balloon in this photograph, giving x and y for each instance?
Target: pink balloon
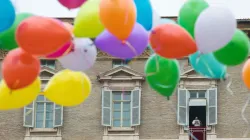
(62, 51)
(71, 4)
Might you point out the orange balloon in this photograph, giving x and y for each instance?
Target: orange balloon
(246, 73)
(172, 41)
(118, 16)
(41, 35)
(20, 69)
(69, 27)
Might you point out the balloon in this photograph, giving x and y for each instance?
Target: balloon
(236, 51)
(68, 88)
(207, 65)
(246, 73)
(87, 23)
(41, 35)
(118, 17)
(20, 69)
(189, 13)
(71, 4)
(82, 57)
(144, 8)
(213, 32)
(69, 27)
(134, 46)
(172, 41)
(7, 14)
(162, 74)
(15, 99)
(64, 50)
(8, 37)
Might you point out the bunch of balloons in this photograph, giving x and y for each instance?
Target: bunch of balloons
(211, 42)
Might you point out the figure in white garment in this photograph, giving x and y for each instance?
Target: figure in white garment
(196, 122)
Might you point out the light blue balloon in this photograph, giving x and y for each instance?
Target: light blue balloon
(7, 14)
(167, 21)
(144, 13)
(207, 65)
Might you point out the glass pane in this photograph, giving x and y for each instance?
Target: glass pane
(182, 97)
(40, 98)
(117, 123)
(193, 95)
(182, 115)
(43, 62)
(49, 124)
(106, 99)
(117, 115)
(49, 111)
(28, 116)
(126, 95)
(58, 115)
(136, 98)
(126, 123)
(126, 106)
(202, 95)
(212, 115)
(135, 117)
(117, 95)
(106, 116)
(39, 115)
(126, 115)
(212, 97)
(117, 106)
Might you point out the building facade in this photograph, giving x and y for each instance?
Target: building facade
(123, 107)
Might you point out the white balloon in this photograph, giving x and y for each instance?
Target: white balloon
(82, 57)
(214, 28)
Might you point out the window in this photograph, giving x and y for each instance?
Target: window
(119, 62)
(121, 108)
(43, 113)
(48, 63)
(183, 104)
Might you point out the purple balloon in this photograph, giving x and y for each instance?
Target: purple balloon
(134, 46)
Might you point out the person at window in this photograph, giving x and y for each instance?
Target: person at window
(196, 122)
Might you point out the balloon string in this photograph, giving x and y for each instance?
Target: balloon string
(229, 84)
(131, 47)
(243, 116)
(172, 106)
(157, 68)
(14, 85)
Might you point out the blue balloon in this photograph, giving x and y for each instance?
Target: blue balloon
(7, 14)
(167, 21)
(207, 65)
(144, 13)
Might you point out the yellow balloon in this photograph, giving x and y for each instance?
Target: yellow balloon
(68, 88)
(87, 22)
(14, 99)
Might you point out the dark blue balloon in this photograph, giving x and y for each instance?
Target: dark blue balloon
(144, 13)
(7, 14)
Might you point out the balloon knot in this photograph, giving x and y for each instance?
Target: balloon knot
(124, 41)
(153, 32)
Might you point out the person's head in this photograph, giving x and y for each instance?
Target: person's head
(196, 118)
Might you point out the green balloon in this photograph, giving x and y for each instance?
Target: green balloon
(162, 74)
(189, 13)
(8, 37)
(236, 51)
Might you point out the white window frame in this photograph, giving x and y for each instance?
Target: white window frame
(207, 97)
(32, 127)
(111, 111)
(122, 63)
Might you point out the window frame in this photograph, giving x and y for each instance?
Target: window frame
(46, 63)
(123, 63)
(188, 94)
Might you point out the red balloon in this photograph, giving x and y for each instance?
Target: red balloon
(20, 69)
(41, 36)
(172, 41)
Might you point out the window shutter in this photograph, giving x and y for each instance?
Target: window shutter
(28, 115)
(136, 107)
(106, 107)
(212, 106)
(183, 96)
(57, 115)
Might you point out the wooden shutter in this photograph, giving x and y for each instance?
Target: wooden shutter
(106, 107)
(57, 115)
(212, 106)
(182, 117)
(136, 107)
(28, 115)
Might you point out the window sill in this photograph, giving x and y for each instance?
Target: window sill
(45, 130)
(121, 129)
